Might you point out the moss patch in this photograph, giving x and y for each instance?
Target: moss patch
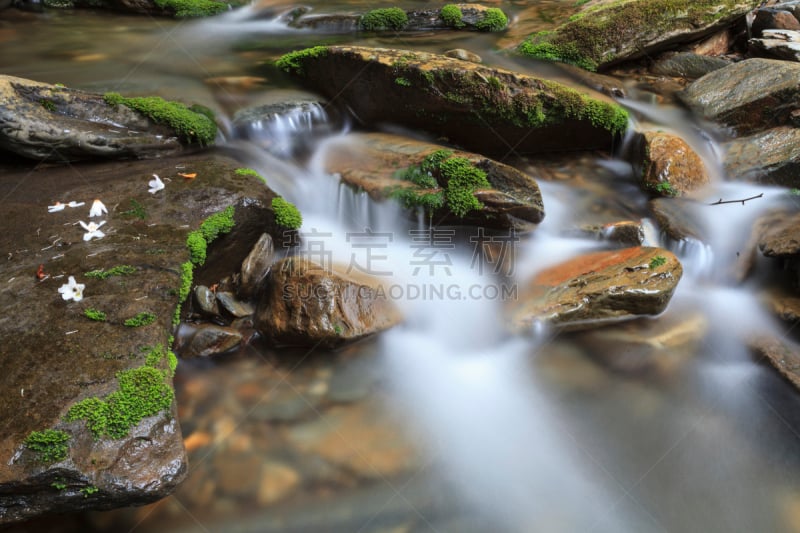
(493, 20)
(293, 61)
(142, 319)
(142, 392)
(286, 214)
(452, 16)
(120, 270)
(94, 314)
(49, 445)
(390, 18)
(190, 125)
(192, 8)
(596, 35)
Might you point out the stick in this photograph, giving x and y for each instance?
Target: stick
(720, 201)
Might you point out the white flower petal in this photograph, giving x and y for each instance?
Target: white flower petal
(84, 225)
(58, 207)
(72, 290)
(76, 204)
(98, 208)
(155, 184)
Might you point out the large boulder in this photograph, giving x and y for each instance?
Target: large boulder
(749, 96)
(103, 360)
(377, 162)
(596, 288)
(304, 303)
(488, 110)
(771, 156)
(605, 32)
(670, 167)
(43, 121)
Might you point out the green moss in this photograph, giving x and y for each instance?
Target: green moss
(49, 445)
(119, 270)
(197, 246)
(463, 179)
(658, 261)
(391, 18)
(432, 161)
(58, 485)
(191, 126)
(88, 491)
(187, 275)
(597, 35)
(137, 210)
(48, 104)
(404, 82)
(192, 8)
(142, 392)
(249, 172)
(286, 214)
(94, 314)
(493, 20)
(452, 16)
(159, 357)
(142, 319)
(292, 62)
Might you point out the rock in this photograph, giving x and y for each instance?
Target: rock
(782, 354)
(304, 304)
(688, 65)
(463, 55)
(474, 17)
(42, 121)
(156, 8)
(781, 236)
(277, 482)
(648, 346)
(750, 96)
(670, 167)
(598, 287)
(458, 99)
(678, 220)
(287, 403)
(327, 23)
(784, 306)
(238, 474)
(77, 358)
(353, 380)
(208, 339)
(780, 44)
(767, 18)
(206, 300)
(371, 162)
(770, 157)
(716, 45)
(256, 266)
(229, 302)
(624, 232)
(603, 33)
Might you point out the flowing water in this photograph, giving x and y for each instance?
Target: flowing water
(446, 423)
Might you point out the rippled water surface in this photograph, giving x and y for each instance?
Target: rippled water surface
(446, 424)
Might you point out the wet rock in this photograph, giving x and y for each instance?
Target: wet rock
(768, 18)
(678, 220)
(781, 237)
(233, 306)
(782, 354)
(327, 23)
(626, 232)
(598, 287)
(780, 44)
(305, 304)
(670, 167)
(750, 96)
(458, 99)
(688, 65)
(603, 33)
(716, 45)
(784, 306)
(646, 346)
(206, 300)
(155, 8)
(50, 122)
(609, 85)
(287, 403)
(256, 266)
(360, 438)
(277, 482)
(771, 157)
(463, 55)
(209, 339)
(371, 162)
(77, 358)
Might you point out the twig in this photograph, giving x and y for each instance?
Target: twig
(720, 201)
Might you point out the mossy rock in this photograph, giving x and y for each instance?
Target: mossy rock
(606, 32)
(486, 109)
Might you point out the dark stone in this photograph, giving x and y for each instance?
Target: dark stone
(770, 157)
(255, 266)
(208, 339)
(688, 65)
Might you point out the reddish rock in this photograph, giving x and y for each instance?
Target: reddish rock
(670, 167)
(599, 287)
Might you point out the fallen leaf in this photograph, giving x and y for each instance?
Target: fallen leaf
(191, 176)
(40, 272)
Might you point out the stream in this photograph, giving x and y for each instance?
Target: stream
(446, 423)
